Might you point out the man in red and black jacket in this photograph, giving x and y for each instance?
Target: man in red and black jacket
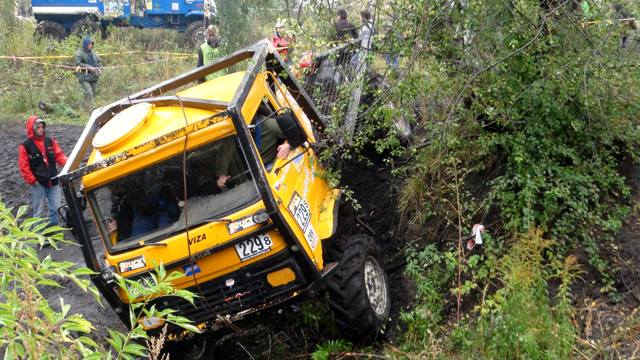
(282, 43)
(38, 157)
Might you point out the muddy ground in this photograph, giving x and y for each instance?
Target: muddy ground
(299, 332)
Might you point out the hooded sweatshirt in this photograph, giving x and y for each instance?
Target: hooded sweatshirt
(27, 167)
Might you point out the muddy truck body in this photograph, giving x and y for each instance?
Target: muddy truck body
(255, 245)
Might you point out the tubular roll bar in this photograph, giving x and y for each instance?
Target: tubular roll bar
(261, 53)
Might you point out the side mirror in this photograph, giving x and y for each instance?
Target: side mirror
(293, 131)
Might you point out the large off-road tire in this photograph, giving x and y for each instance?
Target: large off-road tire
(359, 291)
(50, 30)
(196, 33)
(198, 348)
(86, 27)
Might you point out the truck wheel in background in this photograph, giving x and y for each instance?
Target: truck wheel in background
(86, 27)
(196, 348)
(50, 30)
(359, 291)
(195, 33)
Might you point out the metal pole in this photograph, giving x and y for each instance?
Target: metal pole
(167, 65)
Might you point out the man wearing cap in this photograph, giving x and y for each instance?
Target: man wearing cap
(209, 51)
(282, 43)
(38, 157)
(88, 69)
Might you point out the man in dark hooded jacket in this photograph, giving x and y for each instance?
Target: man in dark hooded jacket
(88, 70)
(344, 27)
(38, 157)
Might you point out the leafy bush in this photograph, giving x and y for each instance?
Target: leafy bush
(31, 329)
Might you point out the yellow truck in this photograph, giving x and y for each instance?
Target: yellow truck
(219, 181)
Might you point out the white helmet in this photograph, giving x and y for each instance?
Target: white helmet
(279, 24)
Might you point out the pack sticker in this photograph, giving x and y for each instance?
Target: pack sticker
(241, 224)
(189, 270)
(132, 264)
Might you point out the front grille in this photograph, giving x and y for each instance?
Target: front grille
(250, 289)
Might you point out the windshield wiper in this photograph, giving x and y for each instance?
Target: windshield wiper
(141, 243)
(217, 220)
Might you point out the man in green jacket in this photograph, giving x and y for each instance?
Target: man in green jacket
(209, 51)
(88, 69)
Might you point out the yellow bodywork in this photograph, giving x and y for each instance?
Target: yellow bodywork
(300, 179)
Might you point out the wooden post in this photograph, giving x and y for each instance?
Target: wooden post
(167, 65)
(140, 69)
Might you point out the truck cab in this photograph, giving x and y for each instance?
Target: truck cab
(187, 181)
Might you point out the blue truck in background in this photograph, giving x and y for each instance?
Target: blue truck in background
(59, 18)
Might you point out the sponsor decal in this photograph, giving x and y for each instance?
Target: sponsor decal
(301, 211)
(197, 239)
(199, 256)
(132, 264)
(278, 185)
(297, 161)
(241, 224)
(312, 237)
(283, 172)
(308, 177)
(189, 270)
(175, 6)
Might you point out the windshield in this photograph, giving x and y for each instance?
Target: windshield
(148, 204)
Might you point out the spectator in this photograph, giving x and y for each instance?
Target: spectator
(37, 159)
(282, 43)
(88, 70)
(364, 39)
(209, 51)
(344, 27)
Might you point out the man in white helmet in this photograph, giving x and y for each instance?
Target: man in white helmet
(282, 43)
(209, 51)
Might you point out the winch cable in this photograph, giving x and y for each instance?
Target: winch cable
(219, 317)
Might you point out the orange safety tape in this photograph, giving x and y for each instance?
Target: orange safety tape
(100, 54)
(78, 68)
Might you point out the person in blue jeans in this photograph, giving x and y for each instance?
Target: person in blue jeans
(38, 157)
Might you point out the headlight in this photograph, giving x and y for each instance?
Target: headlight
(260, 216)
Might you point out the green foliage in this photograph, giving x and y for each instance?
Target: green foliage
(32, 329)
(330, 347)
(519, 320)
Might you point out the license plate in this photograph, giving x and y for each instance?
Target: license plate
(251, 248)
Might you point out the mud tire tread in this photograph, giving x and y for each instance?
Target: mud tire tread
(348, 298)
(50, 27)
(191, 29)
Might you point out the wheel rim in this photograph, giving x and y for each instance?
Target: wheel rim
(198, 37)
(52, 35)
(376, 284)
(195, 349)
